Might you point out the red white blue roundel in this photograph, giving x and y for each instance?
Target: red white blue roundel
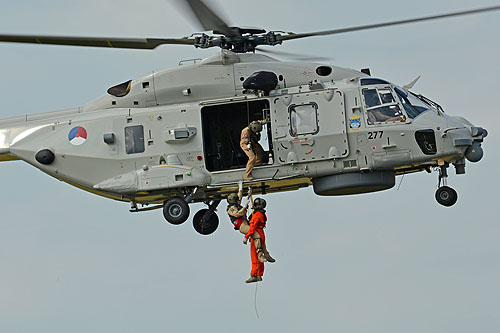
(77, 135)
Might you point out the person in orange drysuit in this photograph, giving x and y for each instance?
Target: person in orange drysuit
(257, 224)
(238, 216)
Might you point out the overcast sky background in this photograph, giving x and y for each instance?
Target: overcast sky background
(394, 261)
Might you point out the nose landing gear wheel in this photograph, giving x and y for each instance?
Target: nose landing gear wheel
(176, 210)
(205, 225)
(446, 196)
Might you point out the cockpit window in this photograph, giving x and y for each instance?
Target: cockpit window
(412, 105)
(121, 89)
(371, 97)
(381, 106)
(386, 96)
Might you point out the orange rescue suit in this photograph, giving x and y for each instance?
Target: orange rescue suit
(257, 223)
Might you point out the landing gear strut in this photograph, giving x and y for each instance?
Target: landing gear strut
(206, 221)
(445, 195)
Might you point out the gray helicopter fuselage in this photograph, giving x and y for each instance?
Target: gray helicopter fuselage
(168, 132)
(219, 76)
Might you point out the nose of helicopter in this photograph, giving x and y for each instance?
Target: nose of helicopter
(474, 153)
(468, 138)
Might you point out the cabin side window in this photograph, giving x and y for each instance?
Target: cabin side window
(304, 119)
(381, 106)
(134, 139)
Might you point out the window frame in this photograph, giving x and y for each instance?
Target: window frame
(291, 109)
(395, 103)
(137, 145)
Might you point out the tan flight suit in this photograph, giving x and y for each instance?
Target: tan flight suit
(255, 153)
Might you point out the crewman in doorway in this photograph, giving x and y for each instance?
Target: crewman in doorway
(238, 216)
(257, 224)
(249, 142)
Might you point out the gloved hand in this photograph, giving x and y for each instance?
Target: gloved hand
(245, 240)
(240, 185)
(249, 147)
(249, 192)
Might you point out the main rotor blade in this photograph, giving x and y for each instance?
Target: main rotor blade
(123, 43)
(208, 19)
(386, 24)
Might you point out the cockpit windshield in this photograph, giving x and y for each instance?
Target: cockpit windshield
(413, 105)
(381, 96)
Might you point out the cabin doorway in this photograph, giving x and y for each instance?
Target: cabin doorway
(222, 125)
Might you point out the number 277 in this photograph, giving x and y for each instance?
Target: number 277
(375, 135)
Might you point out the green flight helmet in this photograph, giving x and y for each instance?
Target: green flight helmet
(259, 203)
(255, 126)
(232, 199)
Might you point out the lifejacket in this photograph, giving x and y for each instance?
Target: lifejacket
(261, 224)
(236, 221)
(258, 221)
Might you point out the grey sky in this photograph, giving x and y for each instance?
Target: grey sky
(393, 261)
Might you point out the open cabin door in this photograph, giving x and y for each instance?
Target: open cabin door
(309, 127)
(222, 125)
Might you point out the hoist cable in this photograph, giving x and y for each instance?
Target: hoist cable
(401, 182)
(255, 300)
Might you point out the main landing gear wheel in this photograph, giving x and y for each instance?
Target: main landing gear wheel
(446, 196)
(176, 210)
(205, 221)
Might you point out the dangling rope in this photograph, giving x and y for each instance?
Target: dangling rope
(400, 182)
(255, 300)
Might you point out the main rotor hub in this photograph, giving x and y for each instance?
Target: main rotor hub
(238, 44)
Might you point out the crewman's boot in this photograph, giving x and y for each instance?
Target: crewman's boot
(253, 279)
(261, 256)
(268, 257)
(259, 278)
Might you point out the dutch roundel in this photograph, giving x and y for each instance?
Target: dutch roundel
(77, 135)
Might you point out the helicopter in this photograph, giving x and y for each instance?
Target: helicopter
(170, 138)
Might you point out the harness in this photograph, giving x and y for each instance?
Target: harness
(254, 138)
(263, 211)
(236, 221)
